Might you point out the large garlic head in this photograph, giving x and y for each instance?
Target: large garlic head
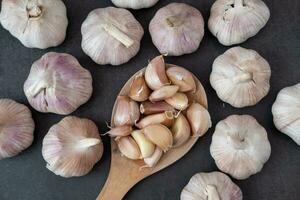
(234, 21)
(57, 83)
(240, 146)
(134, 4)
(16, 128)
(177, 29)
(240, 77)
(111, 36)
(36, 23)
(286, 112)
(72, 147)
(211, 186)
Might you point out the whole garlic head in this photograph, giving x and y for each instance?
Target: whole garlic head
(57, 83)
(134, 4)
(36, 23)
(240, 146)
(240, 77)
(177, 29)
(211, 186)
(16, 128)
(234, 21)
(286, 112)
(111, 36)
(72, 147)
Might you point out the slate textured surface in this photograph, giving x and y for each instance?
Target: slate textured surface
(25, 177)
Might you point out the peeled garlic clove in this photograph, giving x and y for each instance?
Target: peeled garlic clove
(240, 77)
(211, 186)
(16, 128)
(240, 146)
(134, 4)
(120, 131)
(155, 74)
(179, 101)
(126, 112)
(177, 29)
(111, 36)
(37, 24)
(154, 158)
(159, 135)
(129, 148)
(181, 131)
(199, 119)
(166, 118)
(286, 112)
(139, 90)
(148, 108)
(163, 93)
(181, 77)
(234, 21)
(72, 147)
(146, 147)
(57, 83)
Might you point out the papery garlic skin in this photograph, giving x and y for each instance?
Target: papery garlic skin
(241, 77)
(57, 83)
(234, 21)
(36, 23)
(16, 128)
(134, 4)
(286, 112)
(177, 29)
(240, 146)
(111, 36)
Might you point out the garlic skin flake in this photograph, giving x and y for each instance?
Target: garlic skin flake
(177, 29)
(36, 23)
(211, 186)
(111, 36)
(134, 4)
(241, 77)
(240, 146)
(234, 21)
(16, 128)
(72, 147)
(57, 83)
(286, 112)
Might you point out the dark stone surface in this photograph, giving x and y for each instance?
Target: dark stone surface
(25, 177)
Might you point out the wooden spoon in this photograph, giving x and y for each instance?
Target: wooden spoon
(125, 173)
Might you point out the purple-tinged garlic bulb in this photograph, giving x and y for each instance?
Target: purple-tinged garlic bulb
(111, 36)
(134, 4)
(57, 83)
(177, 29)
(16, 128)
(72, 147)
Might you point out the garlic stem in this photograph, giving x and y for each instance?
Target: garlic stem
(212, 192)
(118, 35)
(239, 3)
(36, 88)
(33, 9)
(246, 76)
(87, 142)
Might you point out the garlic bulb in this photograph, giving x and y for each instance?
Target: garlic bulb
(240, 146)
(36, 23)
(111, 36)
(234, 21)
(177, 29)
(211, 186)
(16, 128)
(127, 111)
(286, 112)
(72, 147)
(134, 4)
(240, 77)
(57, 83)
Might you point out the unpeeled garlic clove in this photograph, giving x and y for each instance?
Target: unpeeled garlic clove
(159, 135)
(154, 158)
(134, 4)
(139, 91)
(163, 93)
(179, 101)
(128, 147)
(146, 147)
(120, 131)
(181, 131)
(126, 112)
(166, 118)
(148, 108)
(181, 77)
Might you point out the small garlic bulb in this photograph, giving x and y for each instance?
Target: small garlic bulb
(111, 36)
(36, 23)
(240, 77)
(134, 4)
(72, 147)
(211, 186)
(286, 112)
(57, 83)
(177, 29)
(234, 21)
(240, 146)
(16, 128)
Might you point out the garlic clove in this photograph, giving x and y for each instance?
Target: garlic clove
(181, 77)
(129, 148)
(199, 119)
(166, 118)
(179, 101)
(134, 4)
(120, 131)
(181, 131)
(126, 112)
(148, 107)
(163, 93)
(72, 147)
(146, 147)
(159, 135)
(139, 91)
(154, 158)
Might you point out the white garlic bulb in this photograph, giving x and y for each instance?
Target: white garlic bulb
(234, 21)
(57, 83)
(111, 36)
(36, 23)
(177, 29)
(16, 128)
(134, 4)
(240, 77)
(240, 146)
(72, 147)
(211, 186)
(286, 112)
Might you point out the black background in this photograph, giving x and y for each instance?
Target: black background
(25, 177)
